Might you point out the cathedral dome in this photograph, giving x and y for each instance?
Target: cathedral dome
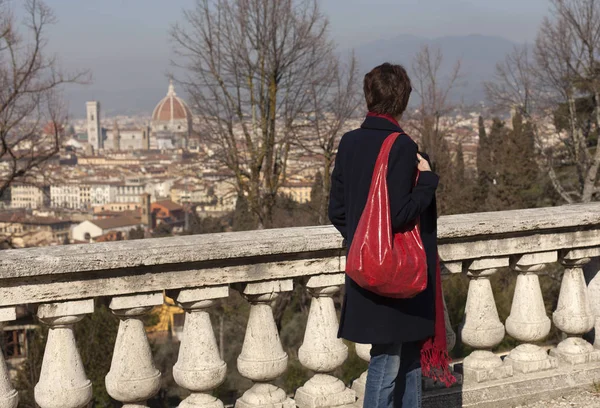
(171, 108)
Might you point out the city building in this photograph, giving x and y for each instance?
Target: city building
(171, 122)
(27, 230)
(297, 191)
(29, 196)
(82, 196)
(166, 211)
(129, 192)
(128, 138)
(89, 230)
(116, 207)
(66, 196)
(94, 131)
(170, 128)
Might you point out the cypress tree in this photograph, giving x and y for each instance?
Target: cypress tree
(515, 172)
(483, 164)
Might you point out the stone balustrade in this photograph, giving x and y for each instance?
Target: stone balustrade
(197, 270)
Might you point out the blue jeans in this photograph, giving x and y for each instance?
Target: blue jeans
(390, 383)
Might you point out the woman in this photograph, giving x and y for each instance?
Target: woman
(397, 328)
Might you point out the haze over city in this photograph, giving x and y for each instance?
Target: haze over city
(127, 47)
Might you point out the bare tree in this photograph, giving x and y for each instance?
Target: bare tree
(518, 85)
(334, 99)
(562, 72)
(32, 114)
(432, 121)
(247, 64)
(434, 92)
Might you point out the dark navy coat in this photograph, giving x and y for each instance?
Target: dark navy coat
(366, 317)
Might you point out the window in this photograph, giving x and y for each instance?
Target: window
(179, 127)
(92, 117)
(165, 127)
(14, 343)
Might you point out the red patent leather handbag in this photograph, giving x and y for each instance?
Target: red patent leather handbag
(391, 265)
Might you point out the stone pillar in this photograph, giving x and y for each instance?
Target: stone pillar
(9, 398)
(364, 352)
(133, 378)
(199, 367)
(528, 321)
(573, 315)
(481, 327)
(322, 351)
(63, 383)
(262, 359)
(593, 271)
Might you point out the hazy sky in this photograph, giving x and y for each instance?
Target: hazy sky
(126, 44)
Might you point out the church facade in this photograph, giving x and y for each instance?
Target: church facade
(170, 128)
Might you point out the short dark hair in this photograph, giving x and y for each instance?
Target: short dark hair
(387, 89)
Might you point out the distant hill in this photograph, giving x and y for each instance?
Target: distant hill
(479, 55)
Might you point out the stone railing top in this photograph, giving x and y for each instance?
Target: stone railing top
(275, 242)
(77, 271)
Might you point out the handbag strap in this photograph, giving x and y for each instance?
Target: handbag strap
(384, 155)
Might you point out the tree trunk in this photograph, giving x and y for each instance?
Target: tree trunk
(589, 185)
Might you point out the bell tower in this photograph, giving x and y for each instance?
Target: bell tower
(94, 131)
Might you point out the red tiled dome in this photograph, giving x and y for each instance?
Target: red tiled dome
(171, 107)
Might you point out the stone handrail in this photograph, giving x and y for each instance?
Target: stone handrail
(198, 269)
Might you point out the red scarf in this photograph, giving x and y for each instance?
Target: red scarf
(435, 361)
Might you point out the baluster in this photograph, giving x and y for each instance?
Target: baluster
(322, 351)
(199, 367)
(481, 327)
(9, 398)
(528, 321)
(133, 378)
(364, 352)
(593, 269)
(573, 315)
(63, 383)
(262, 359)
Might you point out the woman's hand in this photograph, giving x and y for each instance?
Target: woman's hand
(423, 164)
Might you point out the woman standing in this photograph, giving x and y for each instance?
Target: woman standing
(397, 328)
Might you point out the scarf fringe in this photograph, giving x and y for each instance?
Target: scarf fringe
(435, 364)
(435, 361)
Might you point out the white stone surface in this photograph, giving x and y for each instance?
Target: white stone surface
(593, 269)
(262, 359)
(528, 321)
(8, 314)
(9, 397)
(573, 314)
(199, 366)
(482, 329)
(321, 281)
(522, 262)
(197, 294)
(276, 286)
(486, 264)
(132, 378)
(62, 382)
(136, 301)
(71, 308)
(488, 228)
(258, 256)
(322, 351)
